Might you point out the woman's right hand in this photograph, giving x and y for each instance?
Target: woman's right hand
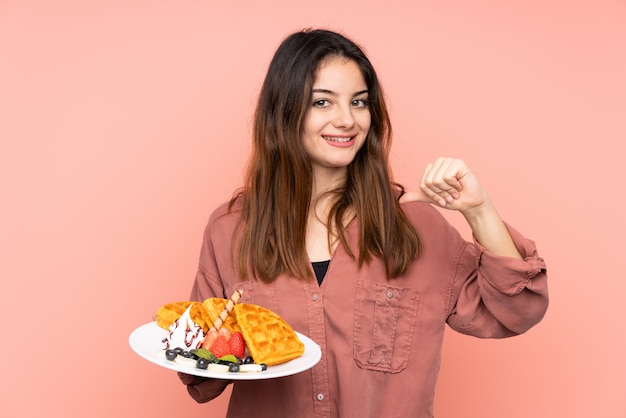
(190, 380)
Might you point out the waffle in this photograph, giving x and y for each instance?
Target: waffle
(169, 313)
(213, 307)
(269, 338)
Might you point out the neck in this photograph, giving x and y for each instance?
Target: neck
(326, 179)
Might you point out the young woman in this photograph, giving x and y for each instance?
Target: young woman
(321, 235)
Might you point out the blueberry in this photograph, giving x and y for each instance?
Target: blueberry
(178, 350)
(202, 363)
(233, 367)
(263, 366)
(187, 354)
(170, 354)
(248, 360)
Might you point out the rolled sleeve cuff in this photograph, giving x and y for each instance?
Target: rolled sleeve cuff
(511, 275)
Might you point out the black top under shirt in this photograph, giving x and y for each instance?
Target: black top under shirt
(320, 268)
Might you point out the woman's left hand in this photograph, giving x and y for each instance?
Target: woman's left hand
(449, 183)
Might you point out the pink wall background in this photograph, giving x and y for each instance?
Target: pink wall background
(124, 123)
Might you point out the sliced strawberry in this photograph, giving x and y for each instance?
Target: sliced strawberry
(237, 345)
(220, 348)
(209, 338)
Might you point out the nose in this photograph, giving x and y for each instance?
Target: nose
(343, 117)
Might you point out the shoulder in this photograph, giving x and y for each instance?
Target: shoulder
(226, 208)
(420, 212)
(226, 215)
(429, 223)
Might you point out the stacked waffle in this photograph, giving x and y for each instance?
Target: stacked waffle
(268, 337)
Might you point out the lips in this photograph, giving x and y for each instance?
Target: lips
(338, 139)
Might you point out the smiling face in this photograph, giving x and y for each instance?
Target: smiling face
(338, 119)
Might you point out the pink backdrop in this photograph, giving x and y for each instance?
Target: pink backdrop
(124, 123)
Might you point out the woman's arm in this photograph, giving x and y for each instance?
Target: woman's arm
(450, 184)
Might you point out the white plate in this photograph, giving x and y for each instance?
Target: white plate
(146, 341)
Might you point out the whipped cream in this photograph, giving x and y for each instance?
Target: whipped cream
(184, 333)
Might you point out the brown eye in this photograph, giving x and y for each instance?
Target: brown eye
(360, 103)
(321, 103)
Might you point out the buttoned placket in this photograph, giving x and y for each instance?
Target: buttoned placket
(320, 395)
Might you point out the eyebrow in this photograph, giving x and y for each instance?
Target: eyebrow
(326, 91)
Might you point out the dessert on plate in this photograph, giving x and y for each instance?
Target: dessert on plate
(223, 335)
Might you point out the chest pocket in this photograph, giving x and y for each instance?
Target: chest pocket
(384, 324)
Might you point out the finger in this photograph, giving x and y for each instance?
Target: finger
(456, 171)
(415, 196)
(426, 181)
(436, 197)
(432, 195)
(433, 185)
(446, 176)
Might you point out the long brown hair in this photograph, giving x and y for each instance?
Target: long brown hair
(277, 194)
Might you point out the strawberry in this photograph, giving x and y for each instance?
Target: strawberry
(237, 345)
(209, 339)
(220, 347)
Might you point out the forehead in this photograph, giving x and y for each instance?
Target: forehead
(338, 70)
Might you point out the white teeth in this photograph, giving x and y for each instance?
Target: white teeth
(337, 139)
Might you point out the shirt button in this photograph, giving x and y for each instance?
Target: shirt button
(389, 294)
(320, 396)
(314, 297)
